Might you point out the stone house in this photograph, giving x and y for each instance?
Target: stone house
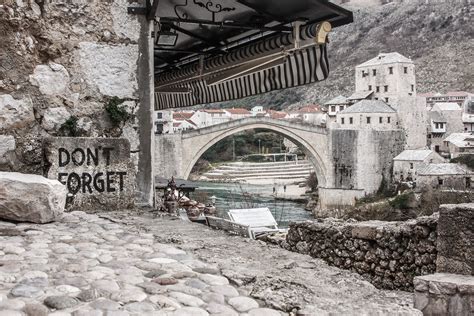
(339, 103)
(368, 114)
(444, 176)
(458, 144)
(443, 119)
(257, 110)
(163, 122)
(183, 125)
(458, 97)
(407, 165)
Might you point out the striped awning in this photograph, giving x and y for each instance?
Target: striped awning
(271, 64)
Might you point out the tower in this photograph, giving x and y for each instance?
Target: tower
(391, 78)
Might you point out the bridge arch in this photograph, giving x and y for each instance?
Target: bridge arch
(311, 139)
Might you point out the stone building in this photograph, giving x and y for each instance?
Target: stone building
(458, 144)
(163, 122)
(407, 165)
(444, 176)
(336, 105)
(458, 97)
(368, 114)
(444, 119)
(391, 78)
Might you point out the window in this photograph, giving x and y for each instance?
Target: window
(342, 120)
(440, 181)
(380, 120)
(386, 100)
(412, 88)
(437, 148)
(411, 165)
(351, 120)
(333, 108)
(377, 88)
(405, 70)
(368, 119)
(374, 72)
(341, 107)
(159, 115)
(390, 70)
(388, 119)
(385, 88)
(370, 87)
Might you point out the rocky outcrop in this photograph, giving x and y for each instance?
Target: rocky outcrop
(30, 198)
(388, 254)
(60, 60)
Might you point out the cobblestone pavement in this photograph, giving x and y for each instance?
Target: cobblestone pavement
(126, 264)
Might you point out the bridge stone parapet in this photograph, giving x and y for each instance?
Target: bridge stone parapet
(348, 163)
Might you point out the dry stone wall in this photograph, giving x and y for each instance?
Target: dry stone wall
(62, 62)
(388, 254)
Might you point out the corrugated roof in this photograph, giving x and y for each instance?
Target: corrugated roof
(360, 95)
(441, 169)
(414, 155)
(337, 100)
(461, 140)
(369, 106)
(386, 58)
(446, 106)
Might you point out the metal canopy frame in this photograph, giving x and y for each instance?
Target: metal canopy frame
(213, 27)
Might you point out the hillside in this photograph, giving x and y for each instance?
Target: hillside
(437, 36)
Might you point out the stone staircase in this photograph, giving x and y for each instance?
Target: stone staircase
(242, 171)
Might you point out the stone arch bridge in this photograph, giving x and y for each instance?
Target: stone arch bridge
(344, 164)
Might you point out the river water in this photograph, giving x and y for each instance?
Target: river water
(239, 195)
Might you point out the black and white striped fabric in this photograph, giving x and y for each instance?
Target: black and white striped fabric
(307, 65)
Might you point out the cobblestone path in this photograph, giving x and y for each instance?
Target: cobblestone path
(125, 264)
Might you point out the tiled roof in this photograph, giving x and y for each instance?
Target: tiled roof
(214, 111)
(441, 169)
(310, 109)
(360, 95)
(436, 116)
(277, 114)
(337, 100)
(369, 106)
(237, 111)
(458, 94)
(414, 155)
(446, 106)
(388, 58)
(182, 115)
(461, 140)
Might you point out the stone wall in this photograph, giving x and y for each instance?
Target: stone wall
(388, 254)
(61, 63)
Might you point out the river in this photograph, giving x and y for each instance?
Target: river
(241, 195)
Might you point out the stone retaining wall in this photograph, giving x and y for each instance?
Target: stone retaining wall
(388, 254)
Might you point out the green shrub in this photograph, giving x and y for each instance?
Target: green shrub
(69, 128)
(117, 113)
(402, 201)
(467, 160)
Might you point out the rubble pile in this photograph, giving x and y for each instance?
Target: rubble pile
(388, 254)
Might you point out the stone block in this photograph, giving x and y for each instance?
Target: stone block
(447, 294)
(97, 172)
(7, 145)
(14, 113)
(30, 198)
(366, 230)
(455, 236)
